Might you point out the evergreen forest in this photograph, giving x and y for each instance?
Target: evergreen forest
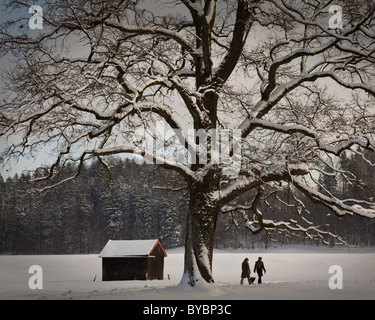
(146, 202)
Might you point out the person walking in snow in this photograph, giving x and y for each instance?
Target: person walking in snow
(245, 271)
(259, 268)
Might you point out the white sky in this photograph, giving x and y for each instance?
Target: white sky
(27, 162)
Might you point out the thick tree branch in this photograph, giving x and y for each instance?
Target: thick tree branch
(243, 24)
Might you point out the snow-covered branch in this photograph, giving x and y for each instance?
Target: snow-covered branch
(160, 160)
(336, 205)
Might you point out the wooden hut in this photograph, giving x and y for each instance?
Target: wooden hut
(132, 260)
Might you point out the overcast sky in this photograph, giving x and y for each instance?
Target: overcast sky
(23, 15)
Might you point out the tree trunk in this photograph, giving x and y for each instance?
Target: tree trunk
(200, 234)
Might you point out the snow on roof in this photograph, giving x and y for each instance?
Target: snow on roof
(126, 248)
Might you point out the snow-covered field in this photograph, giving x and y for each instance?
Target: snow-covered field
(292, 273)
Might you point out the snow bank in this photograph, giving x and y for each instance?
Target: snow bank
(292, 273)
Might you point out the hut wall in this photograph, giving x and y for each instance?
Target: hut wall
(124, 269)
(156, 264)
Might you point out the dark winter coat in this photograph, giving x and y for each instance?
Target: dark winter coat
(245, 270)
(259, 267)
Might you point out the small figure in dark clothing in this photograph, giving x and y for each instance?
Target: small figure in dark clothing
(259, 268)
(246, 272)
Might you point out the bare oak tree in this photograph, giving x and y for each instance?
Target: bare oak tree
(295, 78)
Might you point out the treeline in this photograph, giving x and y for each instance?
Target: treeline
(81, 215)
(145, 202)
